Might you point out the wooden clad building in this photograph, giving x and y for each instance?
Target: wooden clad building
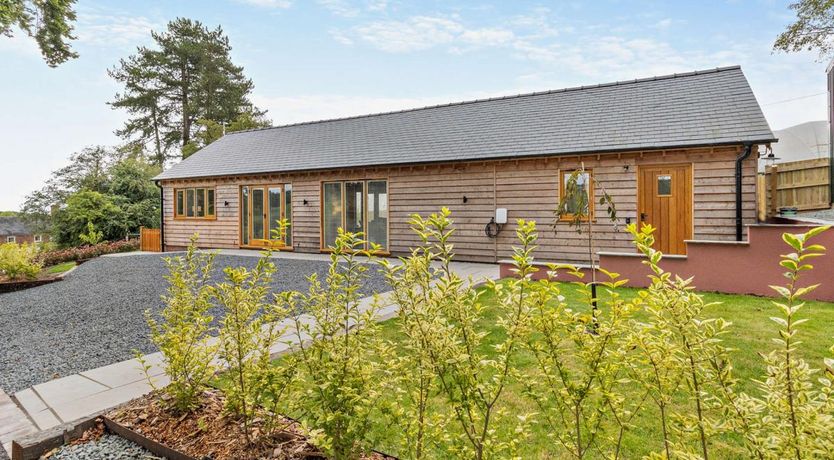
(679, 152)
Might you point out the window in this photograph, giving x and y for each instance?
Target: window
(357, 207)
(38, 239)
(10, 239)
(664, 185)
(581, 200)
(194, 203)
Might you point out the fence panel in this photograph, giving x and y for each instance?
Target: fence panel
(150, 240)
(802, 184)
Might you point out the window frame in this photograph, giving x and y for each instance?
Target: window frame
(11, 239)
(38, 238)
(591, 198)
(381, 251)
(184, 192)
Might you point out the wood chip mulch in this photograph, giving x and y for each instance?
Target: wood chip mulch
(209, 433)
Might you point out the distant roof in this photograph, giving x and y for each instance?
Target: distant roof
(12, 226)
(708, 107)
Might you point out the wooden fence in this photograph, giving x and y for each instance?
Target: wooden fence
(802, 184)
(150, 240)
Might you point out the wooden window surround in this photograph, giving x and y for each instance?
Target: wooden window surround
(564, 175)
(197, 203)
(10, 239)
(366, 211)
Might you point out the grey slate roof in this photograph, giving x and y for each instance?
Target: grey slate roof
(699, 108)
(10, 225)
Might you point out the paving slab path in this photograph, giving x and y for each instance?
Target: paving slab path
(82, 394)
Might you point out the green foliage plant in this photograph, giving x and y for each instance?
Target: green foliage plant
(679, 356)
(340, 355)
(19, 261)
(248, 330)
(792, 413)
(581, 366)
(92, 236)
(184, 329)
(440, 313)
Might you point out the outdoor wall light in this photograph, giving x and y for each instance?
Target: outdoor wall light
(226, 203)
(305, 202)
(625, 167)
(465, 199)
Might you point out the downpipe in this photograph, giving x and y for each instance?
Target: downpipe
(748, 149)
(161, 216)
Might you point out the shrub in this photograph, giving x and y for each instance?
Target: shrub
(19, 261)
(792, 414)
(343, 369)
(581, 364)
(440, 314)
(247, 332)
(185, 326)
(58, 256)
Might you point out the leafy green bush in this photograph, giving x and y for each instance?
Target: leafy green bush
(340, 356)
(249, 328)
(182, 334)
(440, 314)
(56, 256)
(19, 261)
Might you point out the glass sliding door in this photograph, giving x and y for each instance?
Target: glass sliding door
(378, 213)
(354, 207)
(331, 213)
(274, 212)
(258, 213)
(244, 216)
(288, 213)
(357, 207)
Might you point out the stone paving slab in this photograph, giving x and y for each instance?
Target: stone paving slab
(13, 423)
(70, 388)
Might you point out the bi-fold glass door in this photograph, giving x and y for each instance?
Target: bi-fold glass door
(262, 206)
(357, 207)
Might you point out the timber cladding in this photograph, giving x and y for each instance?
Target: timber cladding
(528, 188)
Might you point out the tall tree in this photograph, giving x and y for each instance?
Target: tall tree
(188, 76)
(812, 30)
(49, 22)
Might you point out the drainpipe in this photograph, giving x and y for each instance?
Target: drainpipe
(161, 216)
(748, 149)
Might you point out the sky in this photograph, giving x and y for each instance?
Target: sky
(312, 60)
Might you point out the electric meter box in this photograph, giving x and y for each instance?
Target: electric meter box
(501, 216)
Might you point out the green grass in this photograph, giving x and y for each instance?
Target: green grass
(751, 333)
(60, 268)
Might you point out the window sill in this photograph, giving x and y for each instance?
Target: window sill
(194, 218)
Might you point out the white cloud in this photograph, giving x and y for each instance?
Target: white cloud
(275, 4)
(340, 8)
(114, 29)
(377, 5)
(424, 32)
(487, 36)
(416, 33)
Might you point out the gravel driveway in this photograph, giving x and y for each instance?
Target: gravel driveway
(95, 316)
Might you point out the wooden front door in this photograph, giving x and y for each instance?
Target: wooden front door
(665, 202)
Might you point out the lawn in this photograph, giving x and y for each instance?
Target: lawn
(60, 268)
(751, 333)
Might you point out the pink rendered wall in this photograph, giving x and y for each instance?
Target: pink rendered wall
(736, 268)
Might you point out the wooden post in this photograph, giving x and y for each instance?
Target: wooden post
(773, 172)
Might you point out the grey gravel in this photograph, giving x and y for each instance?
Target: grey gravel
(107, 447)
(95, 317)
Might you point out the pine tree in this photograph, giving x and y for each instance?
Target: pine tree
(188, 76)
